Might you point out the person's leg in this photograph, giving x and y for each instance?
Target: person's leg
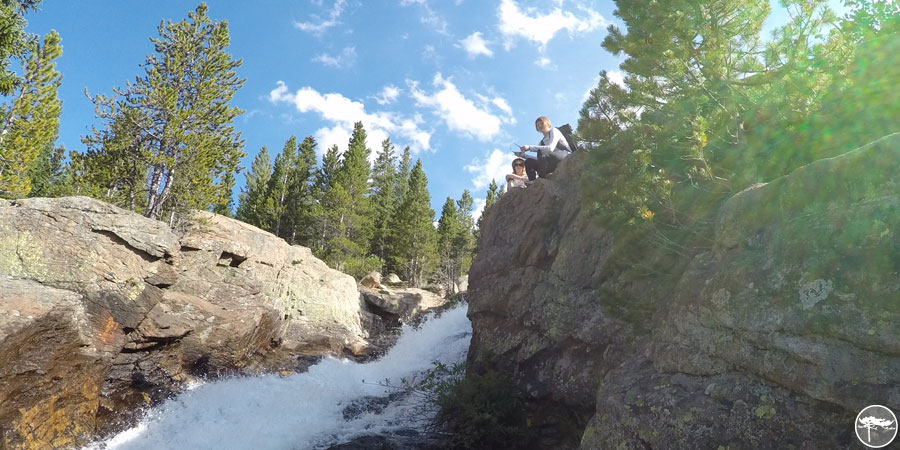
(550, 161)
(531, 168)
(545, 163)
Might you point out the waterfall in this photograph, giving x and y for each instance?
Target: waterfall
(301, 411)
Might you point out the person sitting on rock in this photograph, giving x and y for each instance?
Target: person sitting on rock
(517, 178)
(552, 149)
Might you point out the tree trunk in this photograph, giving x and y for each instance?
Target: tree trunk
(154, 187)
(154, 209)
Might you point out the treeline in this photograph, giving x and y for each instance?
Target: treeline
(709, 107)
(29, 118)
(167, 144)
(356, 216)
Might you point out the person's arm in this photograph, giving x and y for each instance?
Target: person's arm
(522, 154)
(555, 136)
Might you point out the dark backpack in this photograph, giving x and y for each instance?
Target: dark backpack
(568, 134)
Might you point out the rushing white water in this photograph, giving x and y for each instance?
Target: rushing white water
(302, 411)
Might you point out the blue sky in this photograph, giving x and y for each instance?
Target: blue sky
(459, 81)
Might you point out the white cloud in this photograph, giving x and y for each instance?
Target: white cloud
(542, 62)
(458, 112)
(337, 135)
(541, 28)
(278, 93)
(343, 112)
(346, 58)
(501, 103)
(616, 78)
(494, 166)
(388, 95)
(319, 25)
(433, 20)
(430, 18)
(475, 45)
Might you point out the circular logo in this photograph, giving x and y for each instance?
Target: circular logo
(876, 426)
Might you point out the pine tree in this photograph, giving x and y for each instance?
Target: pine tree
(331, 162)
(347, 202)
(48, 173)
(403, 176)
(448, 231)
(464, 242)
(401, 186)
(225, 201)
(414, 236)
(301, 194)
(324, 217)
(174, 123)
(251, 208)
(32, 121)
(278, 189)
(14, 41)
(493, 194)
(353, 176)
(384, 178)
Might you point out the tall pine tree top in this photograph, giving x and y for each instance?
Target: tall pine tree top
(354, 172)
(179, 115)
(31, 122)
(253, 196)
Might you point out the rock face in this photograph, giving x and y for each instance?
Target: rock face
(399, 304)
(774, 338)
(103, 310)
(546, 307)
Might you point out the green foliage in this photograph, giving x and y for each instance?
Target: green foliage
(302, 194)
(48, 173)
(403, 175)
(456, 240)
(384, 201)
(169, 135)
(252, 199)
(360, 266)
(414, 237)
(326, 219)
(476, 411)
(31, 122)
(224, 204)
(278, 194)
(14, 41)
(330, 165)
(464, 242)
(709, 107)
(344, 212)
(493, 194)
(447, 230)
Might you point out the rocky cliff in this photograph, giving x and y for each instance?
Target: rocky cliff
(102, 310)
(776, 337)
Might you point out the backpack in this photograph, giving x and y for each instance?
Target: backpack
(567, 133)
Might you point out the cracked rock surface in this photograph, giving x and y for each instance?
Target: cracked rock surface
(103, 311)
(775, 335)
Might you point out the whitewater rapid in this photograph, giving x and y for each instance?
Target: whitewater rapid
(302, 411)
